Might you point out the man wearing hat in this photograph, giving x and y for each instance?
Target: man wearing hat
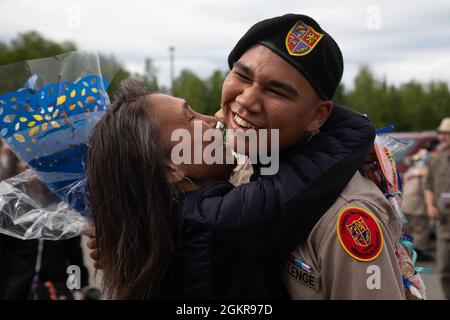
(284, 73)
(437, 195)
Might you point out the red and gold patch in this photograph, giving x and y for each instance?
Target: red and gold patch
(302, 39)
(359, 233)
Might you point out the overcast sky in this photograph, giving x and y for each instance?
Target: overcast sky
(401, 40)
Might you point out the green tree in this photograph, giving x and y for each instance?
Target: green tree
(27, 46)
(340, 96)
(438, 104)
(214, 96)
(203, 95)
(363, 97)
(109, 64)
(413, 106)
(150, 77)
(32, 45)
(189, 86)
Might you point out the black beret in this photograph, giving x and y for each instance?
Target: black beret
(299, 40)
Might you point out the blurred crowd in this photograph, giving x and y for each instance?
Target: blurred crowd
(413, 202)
(38, 269)
(426, 202)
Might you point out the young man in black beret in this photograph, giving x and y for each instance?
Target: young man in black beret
(284, 72)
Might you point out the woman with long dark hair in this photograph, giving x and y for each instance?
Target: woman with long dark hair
(183, 231)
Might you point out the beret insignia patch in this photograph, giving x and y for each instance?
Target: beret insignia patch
(359, 233)
(302, 39)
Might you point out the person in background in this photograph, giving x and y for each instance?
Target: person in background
(437, 196)
(413, 203)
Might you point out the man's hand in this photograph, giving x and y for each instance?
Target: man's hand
(433, 212)
(94, 253)
(92, 245)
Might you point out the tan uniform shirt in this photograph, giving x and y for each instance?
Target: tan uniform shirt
(438, 181)
(335, 274)
(413, 198)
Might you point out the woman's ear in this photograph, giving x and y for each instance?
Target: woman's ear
(176, 174)
(322, 111)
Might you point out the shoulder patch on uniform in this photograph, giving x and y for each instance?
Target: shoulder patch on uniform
(301, 272)
(302, 39)
(359, 233)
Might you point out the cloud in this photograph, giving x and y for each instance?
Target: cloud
(411, 41)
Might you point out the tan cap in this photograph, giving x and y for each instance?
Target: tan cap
(445, 125)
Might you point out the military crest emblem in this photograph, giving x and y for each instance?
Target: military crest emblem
(360, 232)
(302, 39)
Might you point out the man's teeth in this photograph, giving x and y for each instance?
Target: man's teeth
(243, 123)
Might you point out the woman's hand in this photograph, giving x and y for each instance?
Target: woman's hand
(94, 253)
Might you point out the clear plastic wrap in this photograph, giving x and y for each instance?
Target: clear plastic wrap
(396, 146)
(29, 210)
(48, 107)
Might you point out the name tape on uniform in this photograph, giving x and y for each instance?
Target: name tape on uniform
(302, 275)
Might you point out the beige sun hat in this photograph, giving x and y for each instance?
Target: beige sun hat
(445, 125)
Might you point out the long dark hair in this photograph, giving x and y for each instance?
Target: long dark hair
(131, 196)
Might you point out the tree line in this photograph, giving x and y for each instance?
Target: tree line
(412, 106)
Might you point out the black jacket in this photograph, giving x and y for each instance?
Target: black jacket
(230, 239)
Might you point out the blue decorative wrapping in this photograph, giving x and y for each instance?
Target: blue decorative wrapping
(49, 130)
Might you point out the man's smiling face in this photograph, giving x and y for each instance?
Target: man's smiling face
(264, 91)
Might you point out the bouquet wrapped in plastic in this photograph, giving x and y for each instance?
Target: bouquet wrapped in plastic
(48, 107)
(383, 172)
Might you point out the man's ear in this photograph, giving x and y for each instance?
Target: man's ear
(322, 111)
(176, 174)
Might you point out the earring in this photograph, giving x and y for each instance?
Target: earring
(193, 185)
